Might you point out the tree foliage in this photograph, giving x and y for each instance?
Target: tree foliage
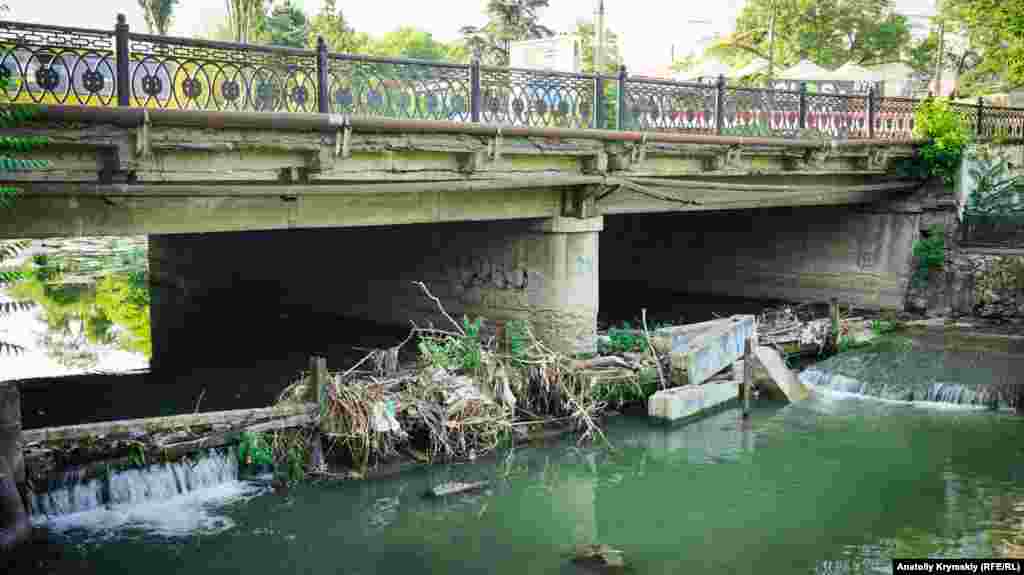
(995, 28)
(827, 32)
(409, 42)
(158, 14)
(507, 21)
(330, 24)
(287, 26)
(612, 55)
(245, 19)
(13, 152)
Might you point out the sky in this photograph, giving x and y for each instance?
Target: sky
(648, 29)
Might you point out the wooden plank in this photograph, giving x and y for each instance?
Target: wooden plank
(128, 427)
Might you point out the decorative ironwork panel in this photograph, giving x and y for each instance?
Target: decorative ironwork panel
(200, 75)
(55, 65)
(968, 113)
(399, 89)
(675, 106)
(894, 119)
(768, 113)
(1002, 122)
(838, 115)
(519, 97)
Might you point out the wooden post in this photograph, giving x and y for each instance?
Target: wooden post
(319, 378)
(833, 309)
(748, 374)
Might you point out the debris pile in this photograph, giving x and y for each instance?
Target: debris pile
(465, 396)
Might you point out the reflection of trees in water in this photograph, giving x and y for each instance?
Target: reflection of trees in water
(86, 306)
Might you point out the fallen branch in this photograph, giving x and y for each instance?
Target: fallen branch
(440, 307)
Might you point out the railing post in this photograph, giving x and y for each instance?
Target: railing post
(719, 103)
(322, 79)
(981, 113)
(620, 104)
(869, 112)
(474, 90)
(598, 117)
(124, 77)
(802, 109)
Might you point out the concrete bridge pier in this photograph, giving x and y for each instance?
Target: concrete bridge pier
(216, 294)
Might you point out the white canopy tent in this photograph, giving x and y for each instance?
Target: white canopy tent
(758, 66)
(710, 68)
(805, 70)
(852, 72)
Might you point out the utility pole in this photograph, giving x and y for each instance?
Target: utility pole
(599, 37)
(942, 48)
(771, 45)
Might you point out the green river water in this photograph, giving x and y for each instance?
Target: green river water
(834, 485)
(838, 484)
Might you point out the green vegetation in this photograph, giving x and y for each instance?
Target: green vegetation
(623, 339)
(828, 32)
(618, 393)
(457, 352)
(997, 192)
(82, 310)
(994, 33)
(947, 137)
(930, 251)
(158, 14)
(13, 152)
(507, 21)
(254, 450)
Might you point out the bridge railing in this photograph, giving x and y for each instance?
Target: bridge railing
(53, 64)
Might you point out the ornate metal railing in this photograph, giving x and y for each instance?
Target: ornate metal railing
(51, 64)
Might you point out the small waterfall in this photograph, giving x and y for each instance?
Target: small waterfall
(157, 482)
(894, 387)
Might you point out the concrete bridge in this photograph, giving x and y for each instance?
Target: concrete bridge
(503, 222)
(335, 180)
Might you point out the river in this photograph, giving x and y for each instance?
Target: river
(841, 483)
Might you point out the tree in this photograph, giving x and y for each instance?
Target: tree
(409, 42)
(995, 28)
(828, 32)
(158, 14)
(287, 26)
(959, 57)
(612, 57)
(330, 24)
(507, 21)
(245, 18)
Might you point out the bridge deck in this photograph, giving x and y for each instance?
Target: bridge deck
(131, 171)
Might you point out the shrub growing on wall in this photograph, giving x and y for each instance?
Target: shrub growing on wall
(947, 136)
(930, 251)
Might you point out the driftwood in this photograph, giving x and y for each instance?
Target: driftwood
(453, 487)
(152, 425)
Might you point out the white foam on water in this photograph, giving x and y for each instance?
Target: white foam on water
(191, 513)
(828, 392)
(165, 499)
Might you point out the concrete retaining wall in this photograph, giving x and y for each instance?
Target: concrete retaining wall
(798, 254)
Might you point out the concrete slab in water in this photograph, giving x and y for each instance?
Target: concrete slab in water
(783, 378)
(699, 351)
(682, 403)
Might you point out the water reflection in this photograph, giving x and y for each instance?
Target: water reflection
(90, 307)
